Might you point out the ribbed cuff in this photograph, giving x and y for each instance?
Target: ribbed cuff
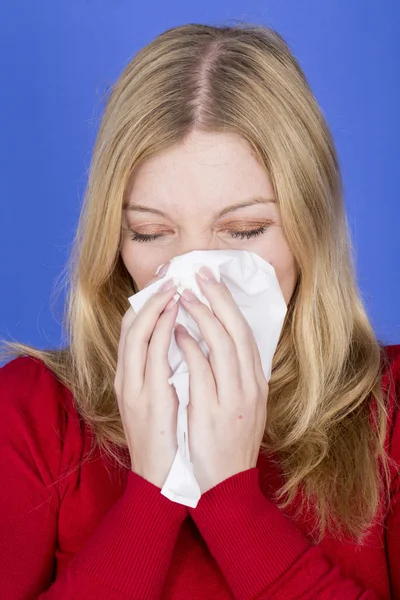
(132, 548)
(253, 542)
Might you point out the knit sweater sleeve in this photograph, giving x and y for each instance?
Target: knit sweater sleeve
(261, 552)
(129, 553)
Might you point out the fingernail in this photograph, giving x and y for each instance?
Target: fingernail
(187, 294)
(163, 269)
(168, 285)
(172, 302)
(206, 275)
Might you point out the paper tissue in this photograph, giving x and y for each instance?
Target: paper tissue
(254, 286)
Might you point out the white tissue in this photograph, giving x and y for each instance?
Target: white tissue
(255, 288)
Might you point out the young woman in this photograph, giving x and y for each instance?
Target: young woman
(211, 139)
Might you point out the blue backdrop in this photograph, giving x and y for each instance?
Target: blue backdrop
(57, 60)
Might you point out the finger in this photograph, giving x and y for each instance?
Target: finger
(223, 356)
(126, 322)
(259, 371)
(202, 383)
(231, 317)
(158, 369)
(139, 334)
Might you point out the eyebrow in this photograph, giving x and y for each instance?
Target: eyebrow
(132, 207)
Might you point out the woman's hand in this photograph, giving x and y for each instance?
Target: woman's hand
(228, 391)
(147, 402)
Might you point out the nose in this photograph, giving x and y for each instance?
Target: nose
(209, 243)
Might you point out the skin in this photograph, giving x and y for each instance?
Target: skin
(191, 184)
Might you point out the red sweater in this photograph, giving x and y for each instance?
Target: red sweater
(89, 530)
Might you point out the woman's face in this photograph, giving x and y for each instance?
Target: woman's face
(192, 197)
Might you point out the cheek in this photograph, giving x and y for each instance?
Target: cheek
(277, 252)
(140, 263)
(287, 274)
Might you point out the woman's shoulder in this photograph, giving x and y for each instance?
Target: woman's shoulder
(392, 354)
(37, 408)
(28, 383)
(390, 359)
(391, 389)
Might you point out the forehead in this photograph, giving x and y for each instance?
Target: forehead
(204, 171)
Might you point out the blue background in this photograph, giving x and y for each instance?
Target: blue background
(57, 60)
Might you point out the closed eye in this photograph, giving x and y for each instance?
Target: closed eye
(242, 234)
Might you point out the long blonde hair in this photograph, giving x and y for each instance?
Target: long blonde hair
(327, 366)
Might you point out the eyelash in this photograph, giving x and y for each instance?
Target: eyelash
(143, 238)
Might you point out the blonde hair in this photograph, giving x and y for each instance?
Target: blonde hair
(327, 367)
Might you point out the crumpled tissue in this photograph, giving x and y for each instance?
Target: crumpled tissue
(254, 286)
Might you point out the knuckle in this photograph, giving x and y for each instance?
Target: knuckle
(152, 356)
(229, 349)
(244, 332)
(205, 373)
